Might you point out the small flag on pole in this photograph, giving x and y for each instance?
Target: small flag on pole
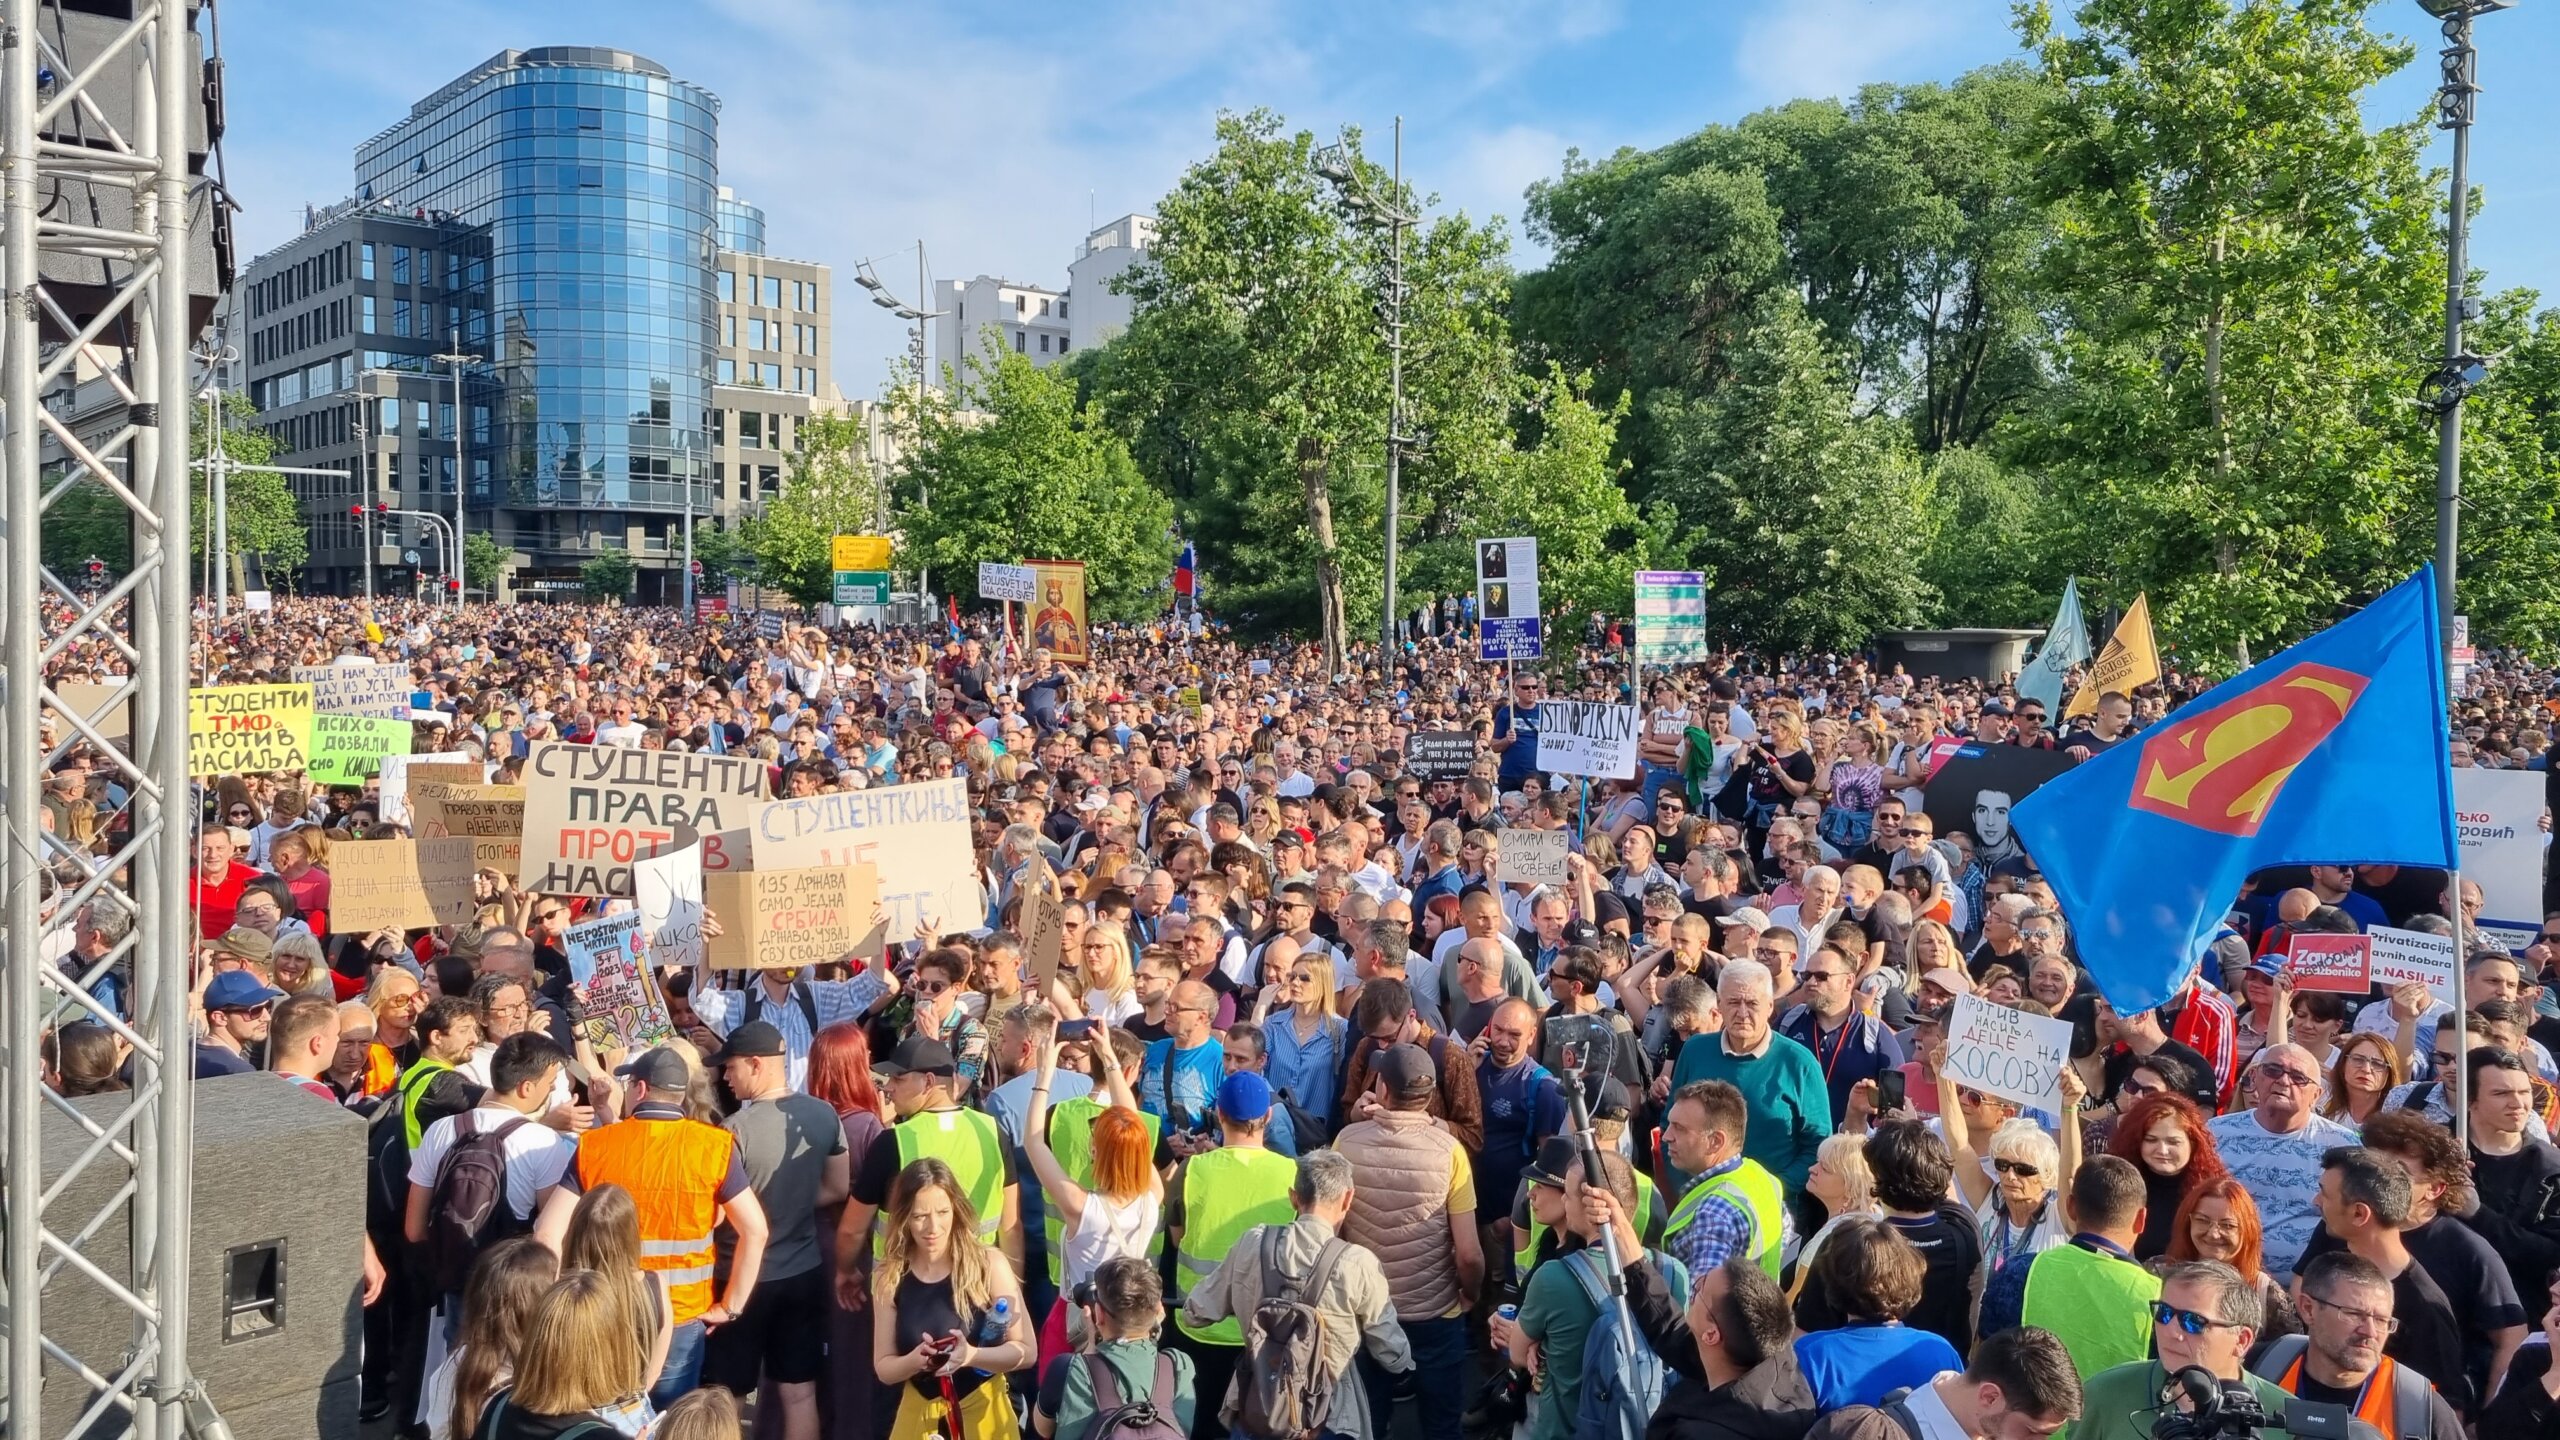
(2066, 643)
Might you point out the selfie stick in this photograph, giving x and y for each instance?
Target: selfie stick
(1586, 1063)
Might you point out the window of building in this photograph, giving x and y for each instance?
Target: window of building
(399, 264)
(728, 286)
(773, 381)
(755, 336)
(728, 371)
(365, 268)
(768, 481)
(479, 424)
(773, 292)
(426, 417)
(750, 430)
(390, 415)
(1019, 342)
(1062, 309)
(399, 317)
(731, 333)
(1044, 344)
(1044, 307)
(1021, 303)
(1062, 344)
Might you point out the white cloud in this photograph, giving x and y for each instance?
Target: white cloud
(1831, 47)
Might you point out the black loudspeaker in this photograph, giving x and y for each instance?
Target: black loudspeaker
(77, 32)
(275, 1275)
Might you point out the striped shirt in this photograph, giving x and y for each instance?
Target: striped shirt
(829, 1001)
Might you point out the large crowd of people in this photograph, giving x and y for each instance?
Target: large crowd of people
(1321, 1119)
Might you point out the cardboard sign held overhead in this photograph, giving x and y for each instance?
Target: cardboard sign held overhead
(381, 691)
(918, 836)
(2010, 1053)
(2400, 956)
(1440, 754)
(1532, 857)
(1583, 737)
(400, 884)
(492, 815)
(399, 770)
(670, 902)
(607, 956)
(248, 729)
(592, 810)
(1044, 936)
(787, 919)
(2339, 963)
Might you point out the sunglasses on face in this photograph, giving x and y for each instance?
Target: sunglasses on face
(2187, 1321)
(2019, 1169)
(2285, 1075)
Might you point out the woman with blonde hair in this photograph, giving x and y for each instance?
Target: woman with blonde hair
(577, 1372)
(507, 1285)
(299, 968)
(1108, 1210)
(1841, 1180)
(1109, 973)
(300, 856)
(604, 1236)
(936, 1290)
(1304, 1042)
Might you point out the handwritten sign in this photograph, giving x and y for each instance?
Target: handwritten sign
(1532, 857)
(1018, 583)
(381, 691)
(668, 887)
(491, 815)
(2339, 963)
(398, 770)
(1583, 737)
(99, 705)
(623, 1009)
(789, 919)
(1044, 936)
(349, 749)
(1440, 754)
(592, 810)
(2400, 956)
(917, 835)
(400, 884)
(2010, 1053)
(248, 729)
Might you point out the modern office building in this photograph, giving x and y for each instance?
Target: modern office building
(770, 365)
(1107, 253)
(1041, 324)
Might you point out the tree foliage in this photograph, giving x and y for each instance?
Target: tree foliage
(1010, 467)
(829, 490)
(484, 561)
(608, 576)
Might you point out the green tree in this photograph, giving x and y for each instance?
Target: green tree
(725, 554)
(608, 576)
(2511, 482)
(484, 561)
(1014, 468)
(1999, 545)
(1808, 517)
(2242, 285)
(262, 517)
(829, 490)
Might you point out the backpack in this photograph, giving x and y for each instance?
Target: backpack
(468, 1211)
(1119, 1418)
(1283, 1389)
(801, 998)
(1622, 1377)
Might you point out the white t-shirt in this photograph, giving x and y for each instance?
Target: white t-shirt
(1100, 1005)
(537, 1155)
(627, 736)
(1106, 1231)
(1936, 1421)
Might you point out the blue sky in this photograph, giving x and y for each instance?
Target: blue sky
(994, 130)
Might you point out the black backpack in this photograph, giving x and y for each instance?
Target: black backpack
(467, 1212)
(1116, 1417)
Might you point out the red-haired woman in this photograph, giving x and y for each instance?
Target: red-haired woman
(1108, 1197)
(848, 1394)
(2220, 1222)
(2164, 1135)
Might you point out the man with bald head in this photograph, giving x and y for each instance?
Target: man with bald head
(2274, 1149)
(1478, 967)
(1523, 1104)
(1179, 1082)
(1480, 917)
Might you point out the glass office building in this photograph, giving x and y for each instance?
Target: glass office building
(741, 224)
(594, 173)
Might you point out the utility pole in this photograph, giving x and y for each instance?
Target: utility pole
(455, 359)
(864, 276)
(364, 497)
(1336, 164)
(2459, 371)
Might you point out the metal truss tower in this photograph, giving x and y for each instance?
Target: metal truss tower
(128, 102)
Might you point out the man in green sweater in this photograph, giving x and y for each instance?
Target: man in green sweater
(1780, 1081)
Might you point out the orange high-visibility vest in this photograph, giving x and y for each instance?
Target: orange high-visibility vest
(673, 1169)
(2375, 1407)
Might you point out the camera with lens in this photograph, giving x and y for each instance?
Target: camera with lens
(2229, 1410)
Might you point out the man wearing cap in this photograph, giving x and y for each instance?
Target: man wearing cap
(1414, 1207)
(1220, 1195)
(685, 1177)
(235, 1019)
(920, 1075)
(797, 1163)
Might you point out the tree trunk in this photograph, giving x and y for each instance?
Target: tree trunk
(1314, 477)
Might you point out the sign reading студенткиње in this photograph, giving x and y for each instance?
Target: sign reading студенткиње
(592, 810)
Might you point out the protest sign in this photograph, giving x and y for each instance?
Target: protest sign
(1440, 754)
(607, 957)
(398, 770)
(2498, 817)
(349, 749)
(1257, 667)
(491, 815)
(1583, 737)
(400, 884)
(789, 919)
(668, 887)
(382, 691)
(1043, 923)
(2339, 963)
(1057, 619)
(248, 729)
(1671, 617)
(591, 810)
(2400, 956)
(1532, 857)
(1972, 788)
(918, 836)
(2010, 1053)
(97, 706)
(1017, 583)
(1509, 624)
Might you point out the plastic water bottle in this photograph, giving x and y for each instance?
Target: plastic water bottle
(992, 1329)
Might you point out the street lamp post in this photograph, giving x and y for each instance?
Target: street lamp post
(882, 296)
(2457, 105)
(454, 359)
(1337, 166)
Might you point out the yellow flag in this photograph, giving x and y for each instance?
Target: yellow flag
(2131, 658)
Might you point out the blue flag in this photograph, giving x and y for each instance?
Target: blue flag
(2066, 643)
(2331, 752)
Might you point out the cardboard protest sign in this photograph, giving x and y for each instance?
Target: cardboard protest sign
(1532, 857)
(2009, 1053)
(400, 884)
(398, 770)
(1044, 937)
(349, 749)
(381, 691)
(1583, 737)
(2400, 956)
(592, 810)
(492, 815)
(97, 705)
(668, 887)
(248, 729)
(1440, 754)
(623, 1009)
(918, 836)
(789, 919)
(2340, 963)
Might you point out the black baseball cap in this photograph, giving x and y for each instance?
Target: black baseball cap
(755, 1038)
(918, 1054)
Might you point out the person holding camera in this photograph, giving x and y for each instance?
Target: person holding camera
(2205, 1320)
(1123, 1304)
(2347, 1304)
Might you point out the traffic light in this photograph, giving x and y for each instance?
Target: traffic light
(97, 570)
(355, 512)
(452, 586)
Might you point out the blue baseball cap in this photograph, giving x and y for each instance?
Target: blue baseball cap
(238, 990)
(1244, 1097)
